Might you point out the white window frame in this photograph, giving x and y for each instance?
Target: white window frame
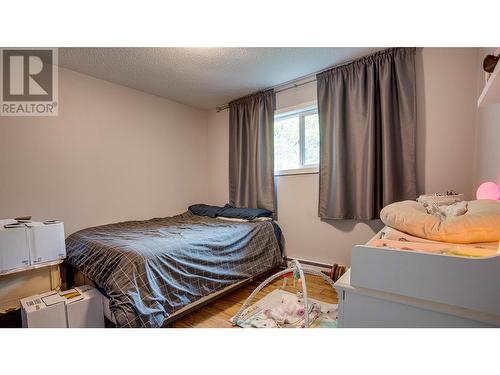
(301, 111)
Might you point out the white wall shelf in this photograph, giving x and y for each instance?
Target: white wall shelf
(32, 267)
(491, 91)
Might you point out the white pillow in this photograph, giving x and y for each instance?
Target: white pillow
(481, 222)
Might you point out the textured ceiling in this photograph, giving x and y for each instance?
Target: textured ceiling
(203, 77)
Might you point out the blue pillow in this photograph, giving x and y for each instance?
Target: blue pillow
(244, 212)
(229, 211)
(204, 210)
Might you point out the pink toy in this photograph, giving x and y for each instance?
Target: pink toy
(488, 190)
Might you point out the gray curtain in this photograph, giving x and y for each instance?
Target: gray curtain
(367, 116)
(251, 151)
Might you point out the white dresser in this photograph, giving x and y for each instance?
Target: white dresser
(399, 288)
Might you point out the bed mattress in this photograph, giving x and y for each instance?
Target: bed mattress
(150, 269)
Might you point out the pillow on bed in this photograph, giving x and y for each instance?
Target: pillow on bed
(481, 222)
(238, 220)
(204, 210)
(229, 211)
(244, 213)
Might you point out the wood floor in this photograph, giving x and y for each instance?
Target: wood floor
(217, 313)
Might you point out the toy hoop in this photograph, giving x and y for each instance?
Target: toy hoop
(296, 266)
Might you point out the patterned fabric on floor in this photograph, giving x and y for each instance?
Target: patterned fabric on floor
(268, 311)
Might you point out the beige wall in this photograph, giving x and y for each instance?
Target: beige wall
(218, 154)
(446, 92)
(112, 154)
(446, 111)
(488, 132)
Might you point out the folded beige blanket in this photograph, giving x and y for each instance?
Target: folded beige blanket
(480, 223)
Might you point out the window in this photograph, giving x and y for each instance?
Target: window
(296, 141)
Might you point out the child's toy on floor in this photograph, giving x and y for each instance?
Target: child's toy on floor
(294, 308)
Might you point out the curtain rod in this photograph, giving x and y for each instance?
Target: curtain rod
(290, 84)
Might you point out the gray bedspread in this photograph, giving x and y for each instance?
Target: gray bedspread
(149, 269)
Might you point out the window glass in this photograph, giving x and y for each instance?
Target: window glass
(286, 143)
(296, 140)
(311, 141)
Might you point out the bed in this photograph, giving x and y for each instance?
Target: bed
(151, 270)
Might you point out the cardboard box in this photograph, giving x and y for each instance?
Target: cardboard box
(87, 312)
(14, 251)
(35, 313)
(46, 241)
(30, 243)
(81, 307)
